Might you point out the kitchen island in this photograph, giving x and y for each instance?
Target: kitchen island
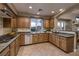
(63, 41)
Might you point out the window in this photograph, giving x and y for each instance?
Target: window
(77, 19)
(36, 24)
(61, 25)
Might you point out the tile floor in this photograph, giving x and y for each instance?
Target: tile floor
(43, 49)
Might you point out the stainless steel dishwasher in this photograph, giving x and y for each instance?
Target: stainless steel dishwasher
(28, 38)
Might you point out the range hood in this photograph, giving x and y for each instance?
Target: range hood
(5, 13)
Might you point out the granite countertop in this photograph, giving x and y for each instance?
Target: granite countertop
(4, 45)
(65, 35)
(58, 33)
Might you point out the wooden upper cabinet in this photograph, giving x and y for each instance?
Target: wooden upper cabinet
(51, 23)
(13, 22)
(6, 22)
(46, 24)
(23, 22)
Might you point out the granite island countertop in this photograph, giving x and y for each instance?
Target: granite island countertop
(4, 45)
(65, 35)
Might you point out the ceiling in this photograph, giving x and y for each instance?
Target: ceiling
(46, 8)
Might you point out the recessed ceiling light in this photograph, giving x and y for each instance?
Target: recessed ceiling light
(38, 13)
(61, 9)
(52, 11)
(30, 7)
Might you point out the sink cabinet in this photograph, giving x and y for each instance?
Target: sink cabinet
(34, 38)
(40, 37)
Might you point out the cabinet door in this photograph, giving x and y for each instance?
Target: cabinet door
(22, 39)
(46, 24)
(50, 37)
(54, 38)
(13, 23)
(13, 48)
(6, 22)
(34, 38)
(51, 23)
(62, 43)
(23, 22)
(45, 37)
(17, 45)
(41, 37)
(57, 40)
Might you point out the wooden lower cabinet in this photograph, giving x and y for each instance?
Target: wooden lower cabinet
(64, 43)
(5, 52)
(45, 37)
(50, 37)
(54, 38)
(40, 37)
(22, 39)
(34, 38)
(17, 45)
(57, 41)
(13, 48)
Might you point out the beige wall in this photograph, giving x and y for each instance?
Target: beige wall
(68, 15)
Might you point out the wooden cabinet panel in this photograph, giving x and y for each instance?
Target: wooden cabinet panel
(5, 52)
(66, 44)
(57, 41)
(6, 22)
(13, 48)
(17, 45)
(22, 39)
(13, 23)
(51, 23)
(34, 38)
(45, 37)
(62, 44)
(46, 24)
(54, 38)
(23, 22)
(41, 37)
(50, 37)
